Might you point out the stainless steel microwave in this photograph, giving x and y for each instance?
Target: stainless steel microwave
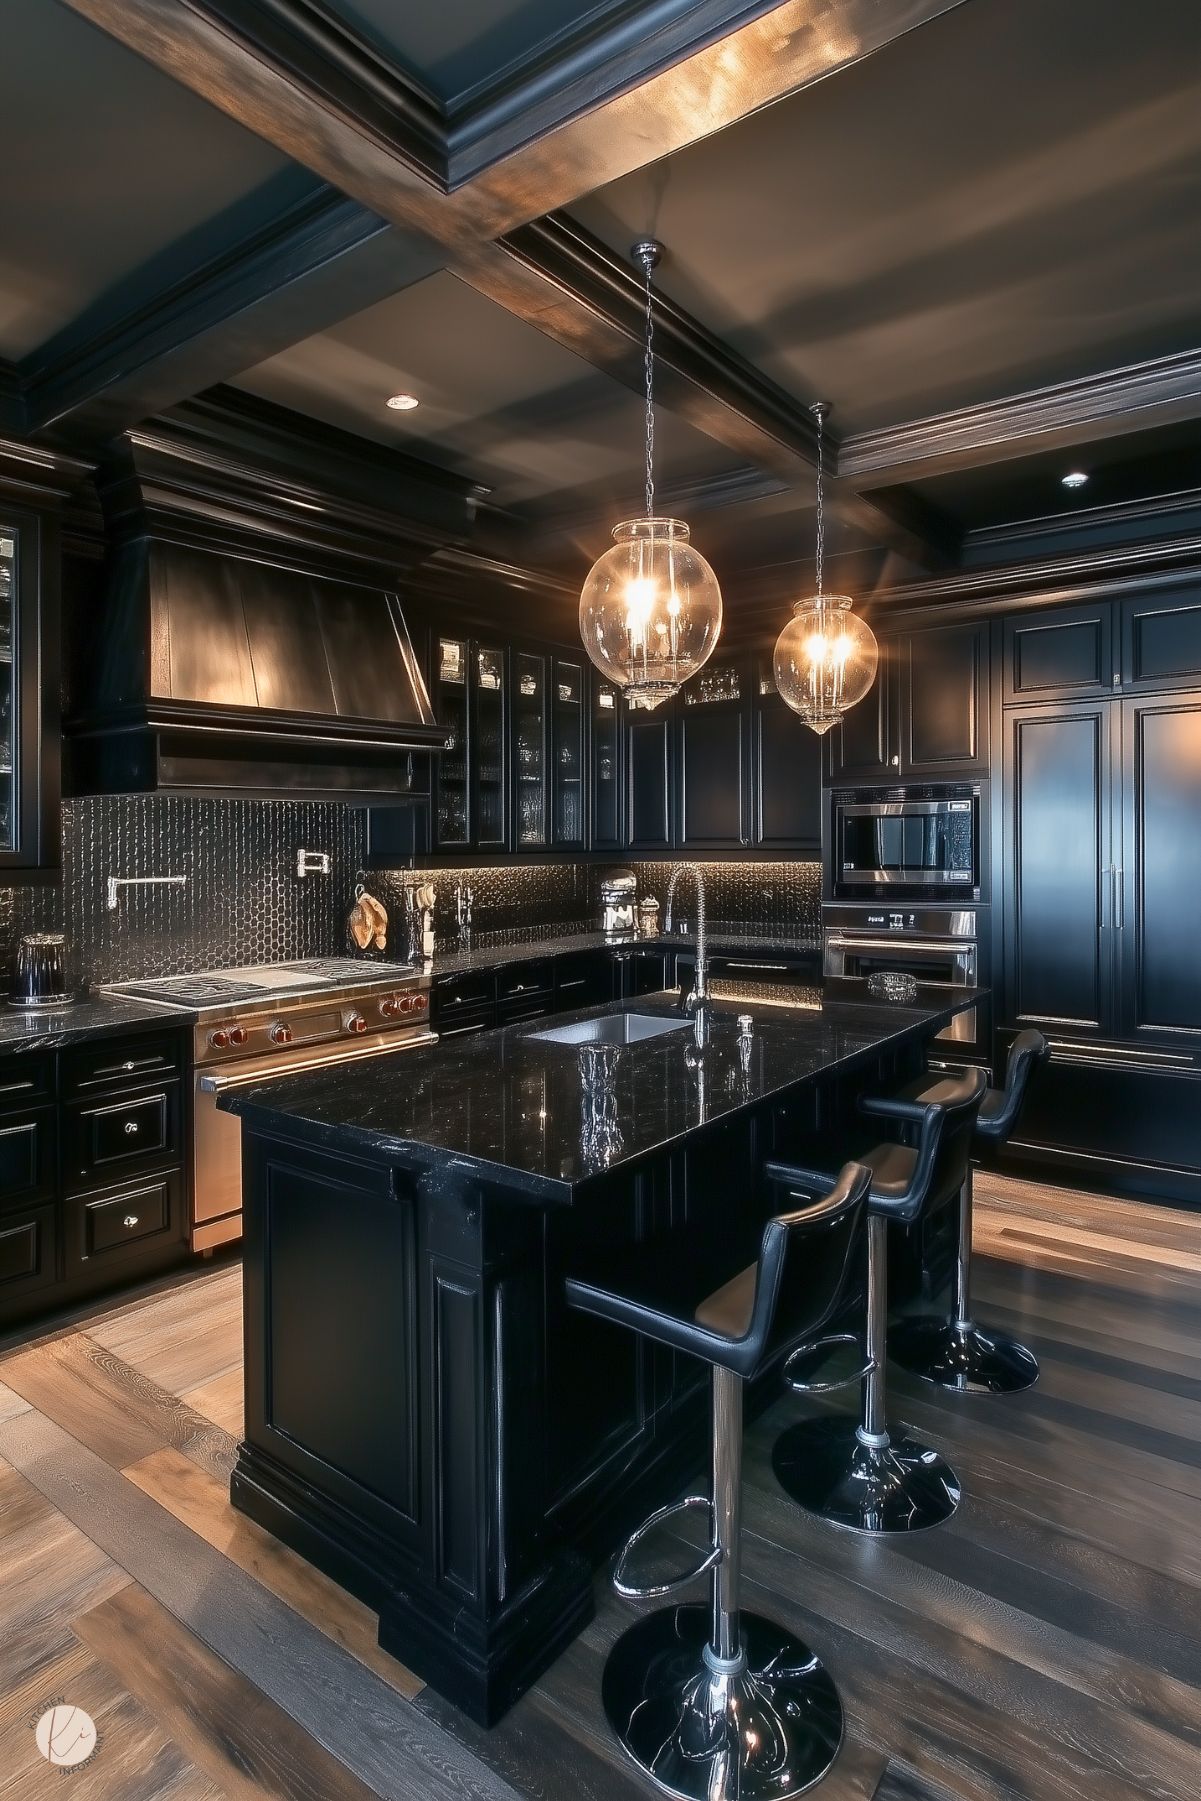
(918, 845)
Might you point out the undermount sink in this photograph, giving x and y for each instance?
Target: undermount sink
(613, 1028)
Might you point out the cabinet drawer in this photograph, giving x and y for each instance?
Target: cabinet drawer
(111, 1224)
(535, 977)
(456, 993)
(122, 1136)
(25, 1081)
(462, 1027)
(26, 1158)
(584, 978)
(121, 1062)
(27, 1253)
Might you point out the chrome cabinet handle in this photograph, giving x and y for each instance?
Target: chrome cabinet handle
(1118, 902)
(131, 1126)
(130, 1221)
(1105, 888)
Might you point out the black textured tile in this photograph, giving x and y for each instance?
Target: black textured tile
(242, 902)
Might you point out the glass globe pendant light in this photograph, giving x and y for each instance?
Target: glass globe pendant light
(826, 656)
(650, 608)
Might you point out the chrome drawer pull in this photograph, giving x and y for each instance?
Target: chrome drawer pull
(130, 1220)
(131, 1126)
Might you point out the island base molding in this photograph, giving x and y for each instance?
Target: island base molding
(481, 1665)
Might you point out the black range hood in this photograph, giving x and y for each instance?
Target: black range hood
(250, 637)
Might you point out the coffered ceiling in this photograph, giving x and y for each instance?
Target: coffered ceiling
(967, 223)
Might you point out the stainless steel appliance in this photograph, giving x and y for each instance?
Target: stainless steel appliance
(275, 1020)
(939, 945)
(618, 890)
(916, 842)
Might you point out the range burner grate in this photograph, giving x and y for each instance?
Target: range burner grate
(191, 990)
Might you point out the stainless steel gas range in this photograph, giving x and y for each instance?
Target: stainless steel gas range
(273, 1020)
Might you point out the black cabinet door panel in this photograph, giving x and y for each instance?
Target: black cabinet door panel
(787, 780)
(712, 778)
(1057, 938)
(1066, 651)
(942, 714)
(860, 747)
(648, 746)
(28, 1253)
(26, 1157)
(1161, 641)
(1160, 909)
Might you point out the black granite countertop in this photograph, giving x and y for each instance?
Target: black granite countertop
(491, 950)
(511, 1103)
(49, 1029)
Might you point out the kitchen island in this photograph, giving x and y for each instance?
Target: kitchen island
(426, 1420)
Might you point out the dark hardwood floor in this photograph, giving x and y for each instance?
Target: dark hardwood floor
(1045, 1645)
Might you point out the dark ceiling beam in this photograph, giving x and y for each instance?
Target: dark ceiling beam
(286, 70)
(1108, 404)
(257, 297)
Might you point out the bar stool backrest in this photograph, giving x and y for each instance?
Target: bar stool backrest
(804, 1263)
(944, 1141)
(1000, 1107)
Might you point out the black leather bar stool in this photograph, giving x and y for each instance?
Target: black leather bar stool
(712, 1703)
(857, 1473)
(954, 1352)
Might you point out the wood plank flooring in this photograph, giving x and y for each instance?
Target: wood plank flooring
(1045, 1645)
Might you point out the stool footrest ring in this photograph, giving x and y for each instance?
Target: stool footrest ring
(799, 1385)
(630, 1591)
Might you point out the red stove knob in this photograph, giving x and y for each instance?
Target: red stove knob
(356, 1023)
(238, 1034)
(420, 1002)
(280, 1034)
(390, 1008)
(219, 1038)
(406, 1004)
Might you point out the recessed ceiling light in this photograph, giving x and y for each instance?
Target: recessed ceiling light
(403, 403)
(1075, 478)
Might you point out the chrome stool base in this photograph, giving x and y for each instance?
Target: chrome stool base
(902, 1486)
(761, 1733)
(962, 1357)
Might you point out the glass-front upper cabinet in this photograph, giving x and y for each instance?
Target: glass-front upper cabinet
(606, 766)
(567, 703)
(489, 762)
(529, 750)
(8, 687)
(452, 822)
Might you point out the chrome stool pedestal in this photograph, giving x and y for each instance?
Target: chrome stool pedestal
(955, 1353)
(857, 1473)
(711, 1703)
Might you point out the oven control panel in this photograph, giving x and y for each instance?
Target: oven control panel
(891, 922)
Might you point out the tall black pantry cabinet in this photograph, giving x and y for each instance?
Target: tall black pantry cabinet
(1102, 882)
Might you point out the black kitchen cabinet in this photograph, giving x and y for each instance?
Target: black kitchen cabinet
(786, 773)
(649, 771)
(93, 1172)
(926, 716)
(1157, 880)
(608, 764)
(713, 738)
(29, 691)
(471, 787)
(1161, 639)
(530, 754)
(1059, 971)
(1065, 653)
(568, 739)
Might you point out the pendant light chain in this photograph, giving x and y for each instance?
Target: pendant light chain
(821, 516)
(650, 398)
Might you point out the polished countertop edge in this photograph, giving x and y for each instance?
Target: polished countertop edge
(91, 1016)
(458, 957)
(277, 1107)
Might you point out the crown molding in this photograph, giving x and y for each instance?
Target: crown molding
(1161, 515)
(1130, 398)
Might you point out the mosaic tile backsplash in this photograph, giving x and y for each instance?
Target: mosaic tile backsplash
(242, 902)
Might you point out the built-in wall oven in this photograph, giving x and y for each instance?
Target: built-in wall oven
(919, 843)
(945, 946)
